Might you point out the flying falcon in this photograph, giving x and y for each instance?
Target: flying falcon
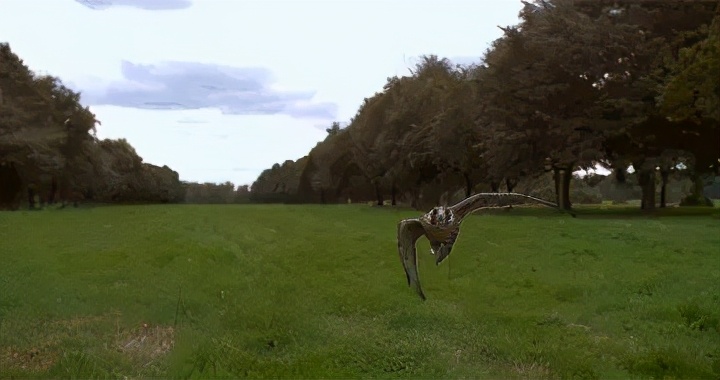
(441, 226)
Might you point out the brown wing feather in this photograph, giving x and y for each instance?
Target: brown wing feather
(497, 200)
(408, 231)
(444, 251)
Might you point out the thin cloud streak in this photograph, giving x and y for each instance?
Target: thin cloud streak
(149, 5)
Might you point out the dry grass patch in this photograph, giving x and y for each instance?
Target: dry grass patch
(146, 344)
(142, 345)
(44, 349)
(30, 360)
(531, 370)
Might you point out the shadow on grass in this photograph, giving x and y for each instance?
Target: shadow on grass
(605, 211)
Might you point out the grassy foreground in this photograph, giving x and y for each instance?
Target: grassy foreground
(188, 291)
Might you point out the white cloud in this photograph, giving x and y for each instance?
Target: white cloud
(190, 85)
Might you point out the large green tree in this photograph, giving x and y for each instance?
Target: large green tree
(48, 146)
(662, 107)
(542, 89)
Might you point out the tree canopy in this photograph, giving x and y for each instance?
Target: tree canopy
(574, 85)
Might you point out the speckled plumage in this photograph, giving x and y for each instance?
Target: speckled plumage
(441, 226)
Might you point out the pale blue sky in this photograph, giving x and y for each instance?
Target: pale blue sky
(221, 89)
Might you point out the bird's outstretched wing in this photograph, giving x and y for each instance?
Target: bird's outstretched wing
(408, 231)
(497, 200)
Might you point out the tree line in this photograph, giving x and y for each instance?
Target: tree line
(576, 84)
(50, 154)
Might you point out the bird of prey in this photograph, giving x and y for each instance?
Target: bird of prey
(441, 226)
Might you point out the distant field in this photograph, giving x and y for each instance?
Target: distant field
(189, 291)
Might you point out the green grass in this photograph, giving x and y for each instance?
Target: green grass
(319, 292)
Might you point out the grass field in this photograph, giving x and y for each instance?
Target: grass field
(190, 291)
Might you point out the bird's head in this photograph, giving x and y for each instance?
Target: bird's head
(440, 216)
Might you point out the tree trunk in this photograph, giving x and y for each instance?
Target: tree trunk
(495, 186)
(10, 186)
(699, 189)
(562, 178)
(664, 174)
(646, 179)
(620, 175)
(31, 196)
(468, 186)
(510, 183)
(414, 198)
(697, 197)
(393, 195)
(379, 195)
(322, 196)
(53, 190)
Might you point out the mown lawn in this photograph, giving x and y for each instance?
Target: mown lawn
(319, 292)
